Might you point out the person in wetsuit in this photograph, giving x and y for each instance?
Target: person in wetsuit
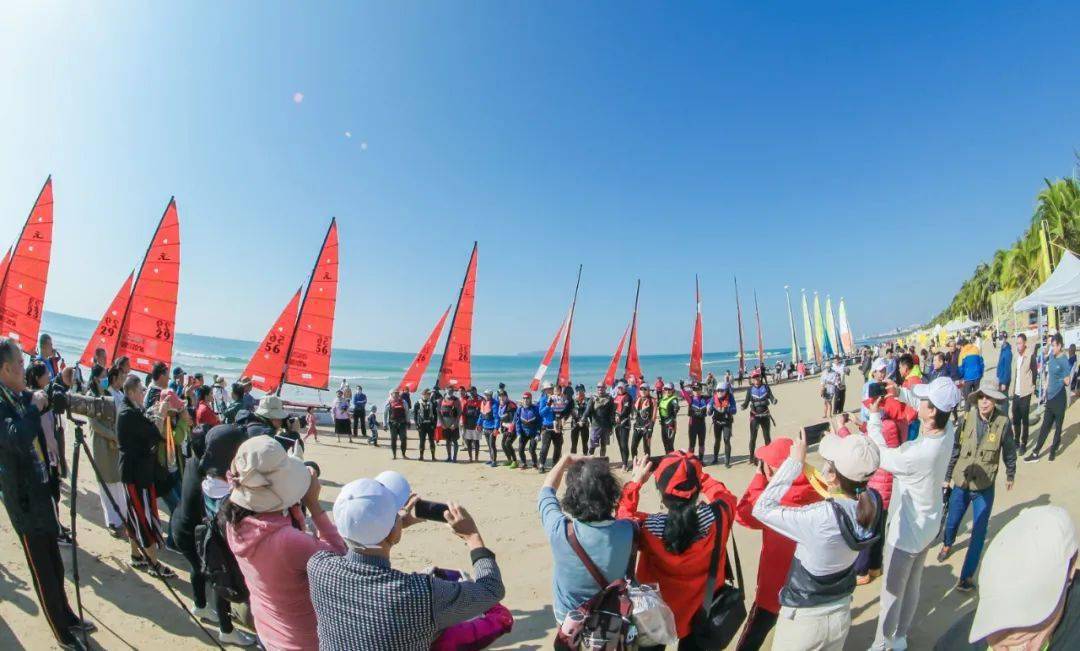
(470, 422)
(759, 397)
(644, 420)
(426, 417)
(397, 421)
(450, 420)
(489, 422)
(579, 428)
(667, 410)
(698, 406)
(722, 408)
(601, 414)
(507, 412)
(623, 411)
(527, 422)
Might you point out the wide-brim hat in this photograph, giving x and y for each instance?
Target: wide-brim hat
(271, 407)
(265, 478)
(988, 389)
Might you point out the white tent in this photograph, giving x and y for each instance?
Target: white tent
(958, 324)
(1061, 289)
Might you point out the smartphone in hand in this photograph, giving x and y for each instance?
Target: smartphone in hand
(426, 510)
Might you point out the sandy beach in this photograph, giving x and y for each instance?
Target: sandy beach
(135, 611)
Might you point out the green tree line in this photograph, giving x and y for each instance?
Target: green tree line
(1017, 268)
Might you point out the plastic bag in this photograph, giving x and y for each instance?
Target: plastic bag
(653, 618)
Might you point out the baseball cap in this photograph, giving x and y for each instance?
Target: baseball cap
(1013, 598)
(942, 393)
(176, 372)
(878, 365)
(679, 475)
(854, 457)
(526, 394)
(669, 387)
(548, 385)
(775, 453)
(396, 483)
(365, 512)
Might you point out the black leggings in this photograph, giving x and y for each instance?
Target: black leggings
(757, 628)
(722, 431)
(452, 437)
(765, 423)
(579, 433)
(491, 436)
(198, 586)
(697, 435)
(397, 432)
(622, 437)
(1053, 414)
(548, 438)
(1021, 409)
(426, 433)
(642, 435)
(530, 442)
(472, 448)
(508, 445)
(667, 435)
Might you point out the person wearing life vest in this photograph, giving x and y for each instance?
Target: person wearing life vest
(426, 416)
(450, 421)
(470, 424)
(667, 409)
(698, 406)
(623, 408)
(507, 413)
(489, 422)
(722, 408)
(579, 428)
(527, 422)
(601, 415)
(549, 433)
(758, 399)
(644, 420)
(397, 421)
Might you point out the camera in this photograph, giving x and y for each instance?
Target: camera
(61, 401)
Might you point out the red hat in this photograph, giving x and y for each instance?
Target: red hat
(527, 394)
(756, 372)
(774, 454)
(679, 475)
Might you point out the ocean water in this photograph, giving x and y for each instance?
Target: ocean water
(378, 371)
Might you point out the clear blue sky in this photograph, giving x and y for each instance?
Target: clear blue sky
(870, 151)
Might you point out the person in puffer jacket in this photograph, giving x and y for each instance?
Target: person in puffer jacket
(971, 366)
(527, 422)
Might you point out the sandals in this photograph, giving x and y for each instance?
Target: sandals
(138, 563)
(162, 572)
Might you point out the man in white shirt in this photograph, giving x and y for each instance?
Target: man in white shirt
(1023, 386)
(919, 468)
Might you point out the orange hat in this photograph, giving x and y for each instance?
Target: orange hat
(774, 453)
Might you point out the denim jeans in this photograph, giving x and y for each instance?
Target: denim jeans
(981, 504)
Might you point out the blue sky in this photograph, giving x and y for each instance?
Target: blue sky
(873, 152)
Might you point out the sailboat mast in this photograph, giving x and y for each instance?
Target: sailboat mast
(791, 323)
(738, 318)
(303, 303)
(760, 343)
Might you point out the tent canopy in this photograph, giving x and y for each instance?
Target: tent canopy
(1061, 289)
(958, 324)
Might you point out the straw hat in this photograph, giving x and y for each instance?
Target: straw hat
(265, 478)
(271, 407)
(988, 389)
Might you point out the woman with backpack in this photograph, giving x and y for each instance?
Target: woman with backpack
(676, 545)
(265, 530)
(587, 514)
(815, 602)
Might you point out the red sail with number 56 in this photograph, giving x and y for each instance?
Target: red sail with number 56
(308, 362)
(266, 363)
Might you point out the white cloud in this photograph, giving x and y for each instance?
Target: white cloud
(348, 134)
(297, 97)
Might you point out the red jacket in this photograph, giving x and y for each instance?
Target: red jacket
(881, 480)
(681, 577)
(776, 550)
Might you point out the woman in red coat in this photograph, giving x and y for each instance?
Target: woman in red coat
(776, 549)
(675, 546)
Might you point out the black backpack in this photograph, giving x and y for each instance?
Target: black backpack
(218, 562)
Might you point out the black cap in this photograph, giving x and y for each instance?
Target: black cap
(222, 442)
(177, 371)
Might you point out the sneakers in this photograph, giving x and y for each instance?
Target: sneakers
(513, 465)
(1031, 458)
(965, 585)
(237, 637)
(64, 539)
(206, 613)
(85, 625)
(943, 553)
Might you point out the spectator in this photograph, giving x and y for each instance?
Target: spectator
(919, 468)
(264, 527)
(592, 493)
(869, 564)
(676, 545)
(107, 454)
(359, 413)
(1004, 366)
(1022, 381)
(1036, 606)
(777, 550)
(815, 601)
(204, 412)
(1059, 371)
(362, 602)
(970, 362)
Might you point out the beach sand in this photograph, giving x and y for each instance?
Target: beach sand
(135, 611)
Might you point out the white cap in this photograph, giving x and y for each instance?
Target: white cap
(396, 483)
(1013, 597)
(854, 457)
(878, 365)
(942, 393)
(548, 385)
(365, 512)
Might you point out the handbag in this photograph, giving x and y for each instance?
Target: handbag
(722, 611)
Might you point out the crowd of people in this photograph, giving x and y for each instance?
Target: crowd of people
(244, 510)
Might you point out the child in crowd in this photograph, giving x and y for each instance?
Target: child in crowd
(373, 427)
(312, 428)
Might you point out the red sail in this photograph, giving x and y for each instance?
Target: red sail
(146, 333)
(4, 263)
(609, 377)
(308, 362)
(423, 357)
(738, 317)
(108, 329)
(632, 371)
(268, 360)
(695, 343)
(22, 289)
(535, 384)
(564, 362)
(456, 369)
